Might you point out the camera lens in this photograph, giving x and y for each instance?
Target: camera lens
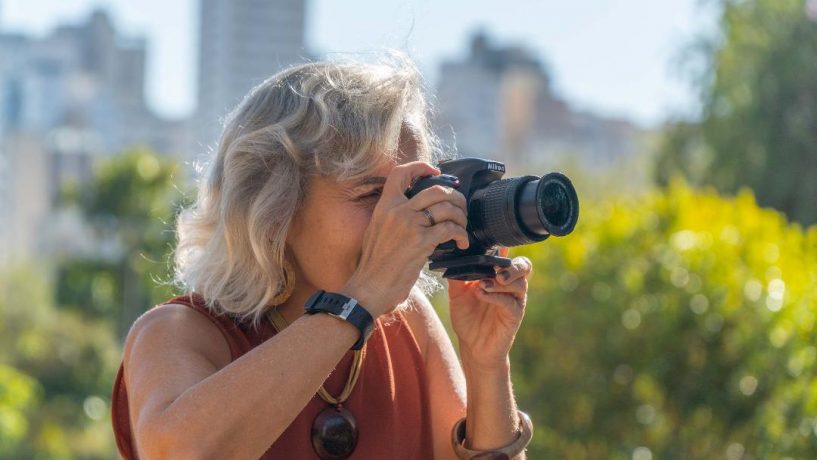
(549, 205)
(523, 210)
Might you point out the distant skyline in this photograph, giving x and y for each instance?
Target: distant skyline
(613, 57)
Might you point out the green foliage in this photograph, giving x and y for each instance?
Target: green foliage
(58, 359)
(56, 374)
(678, 321)
(759, 123)
(132, 202)
(18, 398)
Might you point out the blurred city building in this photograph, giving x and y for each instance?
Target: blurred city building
(78, 95)
(67, 99)
(241, 43)
(498, 103)
(86, 78)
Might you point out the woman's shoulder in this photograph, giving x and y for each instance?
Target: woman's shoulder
(421, 318)
(176, 325)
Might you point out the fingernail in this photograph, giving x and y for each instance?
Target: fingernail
(487, 283)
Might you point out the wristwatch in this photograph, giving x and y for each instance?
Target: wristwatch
(345, 308)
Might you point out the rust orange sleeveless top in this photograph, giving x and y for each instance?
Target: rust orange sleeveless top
(389, 401)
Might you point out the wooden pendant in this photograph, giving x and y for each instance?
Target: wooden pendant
(334, 433)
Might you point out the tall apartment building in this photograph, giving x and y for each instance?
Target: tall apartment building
(241, 43)
(498, 103)
(66, 99)
(86, 77)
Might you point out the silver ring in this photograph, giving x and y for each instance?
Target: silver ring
(431, 221)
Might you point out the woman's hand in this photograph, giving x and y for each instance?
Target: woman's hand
(399, 240)
(486, 314)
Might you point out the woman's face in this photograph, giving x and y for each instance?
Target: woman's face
(326, 235)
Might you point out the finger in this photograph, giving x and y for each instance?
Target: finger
(400, 178)
(503, 300)
(448, 230)
(436, 194)
(520, 267)
(518, 288)
(445, 211)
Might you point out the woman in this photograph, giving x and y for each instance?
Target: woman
(306, 193)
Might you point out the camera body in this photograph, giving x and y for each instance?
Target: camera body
(501, 212)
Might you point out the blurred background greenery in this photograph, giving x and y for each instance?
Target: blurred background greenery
(61, 335)
(677, 321)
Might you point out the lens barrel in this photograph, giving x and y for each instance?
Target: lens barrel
(523, 210)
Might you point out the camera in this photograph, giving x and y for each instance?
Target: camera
(501, 212)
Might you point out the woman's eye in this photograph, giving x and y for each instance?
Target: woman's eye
(374, 195)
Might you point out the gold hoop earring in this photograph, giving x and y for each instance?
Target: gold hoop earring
(289, 285)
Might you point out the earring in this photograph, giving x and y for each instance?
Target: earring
(289, 285)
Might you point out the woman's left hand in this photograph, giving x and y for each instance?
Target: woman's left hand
(486, 314)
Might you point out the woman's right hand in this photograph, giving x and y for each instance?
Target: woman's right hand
(398, 240)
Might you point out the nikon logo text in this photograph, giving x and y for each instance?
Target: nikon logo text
(496, 167)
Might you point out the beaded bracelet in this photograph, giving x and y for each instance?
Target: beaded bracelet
(524, 435)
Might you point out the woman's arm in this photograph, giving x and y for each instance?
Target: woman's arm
(492, 420)
(486, 316)
(488, 402)
(187, 400)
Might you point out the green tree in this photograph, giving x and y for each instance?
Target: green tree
(58, 348)
(759, 122)
(131, 203)
(679, 322)
(56, 369)
(18, 398)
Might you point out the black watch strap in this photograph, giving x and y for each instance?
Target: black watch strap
(345, 308)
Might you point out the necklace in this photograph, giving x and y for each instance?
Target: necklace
(334, 430)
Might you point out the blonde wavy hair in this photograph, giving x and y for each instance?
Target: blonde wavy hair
(340, 118)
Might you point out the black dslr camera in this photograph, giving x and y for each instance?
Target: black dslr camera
(501, 212)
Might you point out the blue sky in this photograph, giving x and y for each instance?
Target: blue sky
(615, 57)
